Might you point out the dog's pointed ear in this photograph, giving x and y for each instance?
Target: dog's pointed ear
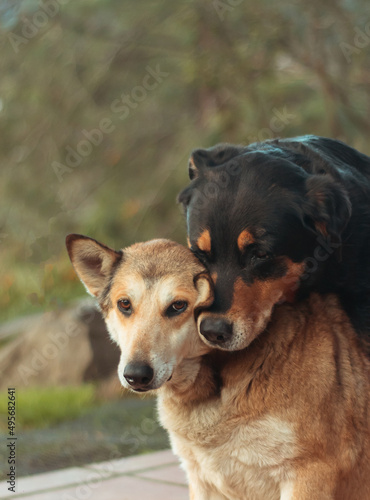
(92, 261)
(204, 285)
(327, 207)
(212, 157)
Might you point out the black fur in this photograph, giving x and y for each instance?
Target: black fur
(307, 198)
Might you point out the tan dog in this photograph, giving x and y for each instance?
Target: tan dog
(287, 418)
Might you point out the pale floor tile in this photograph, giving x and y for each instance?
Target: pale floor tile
(122, 488)
(54, 479)
(99, 481)
(139, 462)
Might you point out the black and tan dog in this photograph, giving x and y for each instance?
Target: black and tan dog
(274, 222)
(240, 421)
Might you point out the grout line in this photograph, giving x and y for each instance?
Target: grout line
(160, 481)
(145, 469)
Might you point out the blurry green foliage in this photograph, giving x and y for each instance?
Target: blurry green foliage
(225, 71)
(42, 407)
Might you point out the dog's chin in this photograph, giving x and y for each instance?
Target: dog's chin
(238, 342)
(231, 345)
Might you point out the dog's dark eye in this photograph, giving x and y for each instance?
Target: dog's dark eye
(177, 307)
(124, 305)
(260, 255)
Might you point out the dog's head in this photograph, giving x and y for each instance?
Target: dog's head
(149, 294)
(254, 219)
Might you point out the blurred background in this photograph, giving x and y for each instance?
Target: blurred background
(101, 102)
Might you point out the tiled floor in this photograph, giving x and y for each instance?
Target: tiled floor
(156, 476)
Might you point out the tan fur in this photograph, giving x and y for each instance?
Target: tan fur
(288, 418)
(193, 168)
(293, 416)
(321, 228)
(245, 238)
(204, 241)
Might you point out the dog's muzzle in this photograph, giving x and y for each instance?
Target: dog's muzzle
(216, 330)
(138, 375)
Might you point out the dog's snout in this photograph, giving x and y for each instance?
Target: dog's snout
(138, 375)
(216, 330)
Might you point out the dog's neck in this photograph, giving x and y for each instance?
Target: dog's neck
(194, 379)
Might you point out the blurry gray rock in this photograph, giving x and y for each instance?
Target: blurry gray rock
(64, 347)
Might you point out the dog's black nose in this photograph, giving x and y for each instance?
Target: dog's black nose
(216, 330)
(138, 375)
